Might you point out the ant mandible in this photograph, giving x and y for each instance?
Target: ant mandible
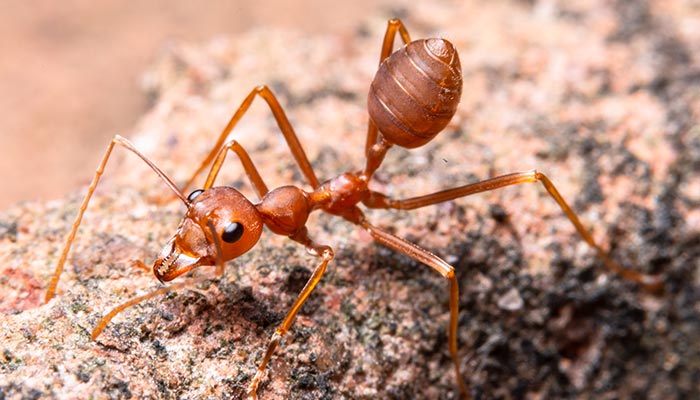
(412, 98)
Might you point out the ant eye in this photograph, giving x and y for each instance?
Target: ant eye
(194, 195)
(233, 232)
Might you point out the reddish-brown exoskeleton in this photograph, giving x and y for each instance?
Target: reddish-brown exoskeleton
(412, 98)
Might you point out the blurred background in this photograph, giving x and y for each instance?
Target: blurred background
(70, 73)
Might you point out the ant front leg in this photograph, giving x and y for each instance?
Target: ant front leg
(284, 125)
(378, 200)
(102, 323)
(250, 170)
(326, 255)
(117, 140)
(393, 26)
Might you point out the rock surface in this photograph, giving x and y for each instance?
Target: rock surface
(601, 96)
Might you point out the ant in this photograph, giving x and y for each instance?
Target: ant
(412, 98)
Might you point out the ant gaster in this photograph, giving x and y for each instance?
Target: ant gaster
(412, 98)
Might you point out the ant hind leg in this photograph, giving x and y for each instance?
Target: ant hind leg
(378, 200)
(440, 266)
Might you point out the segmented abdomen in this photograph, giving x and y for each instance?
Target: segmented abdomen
(416, 91)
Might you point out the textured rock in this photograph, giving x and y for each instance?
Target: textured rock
(602, 97)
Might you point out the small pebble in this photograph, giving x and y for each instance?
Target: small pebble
(511, 301)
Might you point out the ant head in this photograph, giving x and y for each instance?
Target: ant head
(220, 224)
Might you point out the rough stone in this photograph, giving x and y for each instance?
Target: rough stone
(601, 96)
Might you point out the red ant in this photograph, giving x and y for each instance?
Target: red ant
(413, 97)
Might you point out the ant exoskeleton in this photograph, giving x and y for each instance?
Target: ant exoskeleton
(412, 98)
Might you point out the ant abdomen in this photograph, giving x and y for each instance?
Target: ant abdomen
(415, 92)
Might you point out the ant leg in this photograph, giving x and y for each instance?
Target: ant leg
(326, 254)
(378, 200)
(51, 290)
(247, 163)
(284, 125)
(102, 323)
(441, 267)
(393, 26)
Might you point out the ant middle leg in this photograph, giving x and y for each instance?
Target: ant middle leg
(284, 125)
(393, 26)
(379, 200)
(326, 255)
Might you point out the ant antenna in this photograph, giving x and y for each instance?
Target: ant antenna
(129, 146)
(51, 290)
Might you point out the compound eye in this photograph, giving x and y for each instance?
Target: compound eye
(194, 195)
(232, 233)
